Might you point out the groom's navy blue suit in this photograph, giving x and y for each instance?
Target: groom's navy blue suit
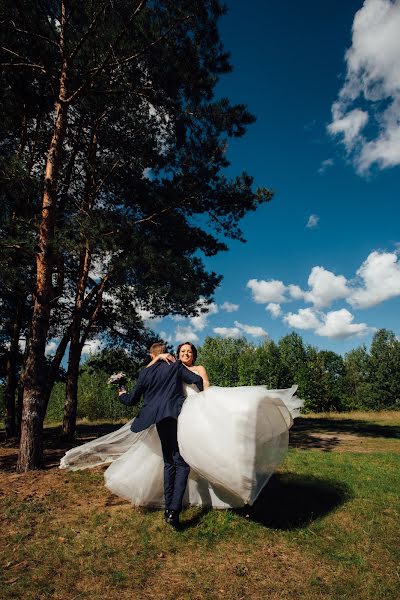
(161, 386)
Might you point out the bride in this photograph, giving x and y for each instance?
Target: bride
(232, 438)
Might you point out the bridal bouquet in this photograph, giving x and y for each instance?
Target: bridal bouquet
(117, 379)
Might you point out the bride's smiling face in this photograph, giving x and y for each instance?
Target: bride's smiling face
(186, 355)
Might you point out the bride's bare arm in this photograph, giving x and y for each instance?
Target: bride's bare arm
(165, 356)
(203, 374)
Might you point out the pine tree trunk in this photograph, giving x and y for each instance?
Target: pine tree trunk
(71, 397)
(76, 345)
(12, 377)
(34, 402)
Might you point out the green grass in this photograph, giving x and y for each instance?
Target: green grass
(326, 526)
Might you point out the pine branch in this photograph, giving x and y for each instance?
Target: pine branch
(100, 67)
(157, 41)
(86, 34)
(26, 62)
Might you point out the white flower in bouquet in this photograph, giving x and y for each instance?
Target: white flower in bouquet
(117, 378)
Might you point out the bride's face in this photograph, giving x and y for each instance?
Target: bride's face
(186, 355)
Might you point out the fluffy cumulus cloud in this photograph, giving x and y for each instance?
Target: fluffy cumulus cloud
(229, 307)
(296, 292)
(228, 332)
(325, 287)
(148, 317)
(240, 329)
(185, 334)
(312, 222)
(252, 330)
(274, 309)
(92, 346)
(205, 310)
(305, 318)
(163, 335)
(188, 332)
(380, 275)
(264, 292)
(338, 324)
(51, 347)
(373, 79)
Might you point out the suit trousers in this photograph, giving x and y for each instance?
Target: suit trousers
(176, 470)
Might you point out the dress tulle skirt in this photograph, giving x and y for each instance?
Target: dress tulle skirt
(232, 438)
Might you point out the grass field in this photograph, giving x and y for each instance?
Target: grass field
(326, 526)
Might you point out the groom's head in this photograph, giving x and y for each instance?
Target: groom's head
(156, 349)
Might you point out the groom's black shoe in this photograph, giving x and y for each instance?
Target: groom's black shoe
(172, 518)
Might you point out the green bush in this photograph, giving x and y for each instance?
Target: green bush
(96, 400)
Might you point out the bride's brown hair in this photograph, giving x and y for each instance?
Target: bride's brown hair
(194, 350)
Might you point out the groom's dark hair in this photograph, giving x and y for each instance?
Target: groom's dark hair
(157, 348)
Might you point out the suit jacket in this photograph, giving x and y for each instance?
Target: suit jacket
(162, 388)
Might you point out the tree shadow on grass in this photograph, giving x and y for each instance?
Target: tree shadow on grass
(291, 501)
(325, 434)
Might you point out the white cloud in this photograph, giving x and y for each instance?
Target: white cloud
(163, 335)
(51, 347)
(329, 162)
(274, 309)
(228, 332)
(372, 78)
(229, 307)
(350, 124)
(92, 346)
(339, 324)
(240, 329)
(267, 291)
(304, 319)
(312, 222)
(200, 322)
(100, 265)
(380, 273)
(147, 316)
(185, 334)
(296, 292)
(252, 330)
(177, 318)
(325, 287)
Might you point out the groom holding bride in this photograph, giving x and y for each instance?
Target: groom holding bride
(233, 438)
(161, 385)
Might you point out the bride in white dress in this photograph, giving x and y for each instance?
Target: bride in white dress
(232, 438)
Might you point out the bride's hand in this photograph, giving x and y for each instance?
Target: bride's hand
(167, 357)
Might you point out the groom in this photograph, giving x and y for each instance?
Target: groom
(161, 385)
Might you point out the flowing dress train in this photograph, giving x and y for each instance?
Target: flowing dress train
(232, 438)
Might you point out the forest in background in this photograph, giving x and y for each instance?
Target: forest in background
(361, 380)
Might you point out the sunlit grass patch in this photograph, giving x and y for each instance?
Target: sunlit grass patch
(325, 527)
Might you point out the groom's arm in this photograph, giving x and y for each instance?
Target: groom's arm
(190, 377)
(132, 397)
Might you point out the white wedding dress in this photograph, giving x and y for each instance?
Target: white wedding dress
(232, 438)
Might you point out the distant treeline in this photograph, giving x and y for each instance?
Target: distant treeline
(361, 380)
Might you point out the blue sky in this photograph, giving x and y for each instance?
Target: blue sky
(327, 140)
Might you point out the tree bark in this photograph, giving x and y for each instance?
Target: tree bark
(12, 376)
(34, 400)
(71, 399)
(71, 396)
(75, 349)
